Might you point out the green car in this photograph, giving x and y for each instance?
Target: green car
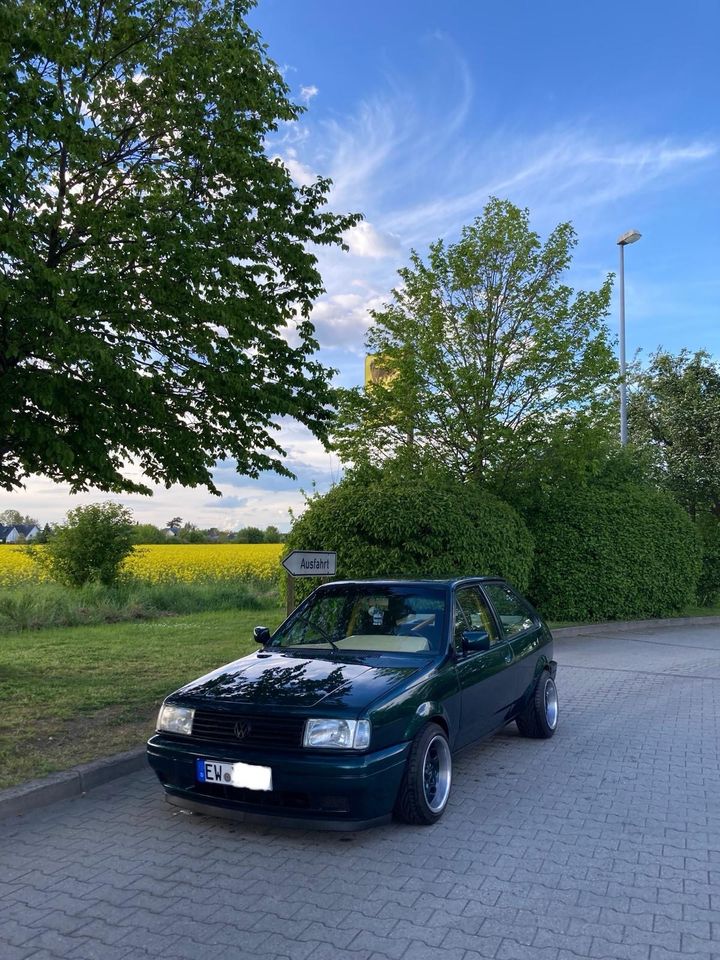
(352, 710)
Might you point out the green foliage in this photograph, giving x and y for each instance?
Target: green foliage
(54, 605)
(10, 517)
(613, 552)
(674, 414)
(401, 521)
(153, 250)
(90, 546)
(148, 533)
(579, 450)
(576, 449)
(189, 533)
(486, 349)
(272, 535)
(709, 584)
(251, 535)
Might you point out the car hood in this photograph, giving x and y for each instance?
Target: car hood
(286, 680)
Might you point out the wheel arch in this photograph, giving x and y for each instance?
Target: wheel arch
(440, 721)
(426, 713)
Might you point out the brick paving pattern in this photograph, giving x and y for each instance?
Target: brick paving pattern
(602, 842)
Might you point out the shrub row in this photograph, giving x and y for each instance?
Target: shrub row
(614, 554)
(587, 554)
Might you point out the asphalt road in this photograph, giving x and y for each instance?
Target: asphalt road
(602, 842)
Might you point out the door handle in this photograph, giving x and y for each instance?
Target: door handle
(508, 656)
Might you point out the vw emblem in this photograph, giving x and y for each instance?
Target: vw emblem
(242, 729)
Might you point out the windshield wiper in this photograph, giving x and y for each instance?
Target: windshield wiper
(325, 635)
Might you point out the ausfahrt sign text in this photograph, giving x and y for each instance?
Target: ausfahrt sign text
(311, 563)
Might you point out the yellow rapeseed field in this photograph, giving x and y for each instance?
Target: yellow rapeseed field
(16, 567)
(163, 562)
(206, 561)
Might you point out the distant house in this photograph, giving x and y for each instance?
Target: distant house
(169, 532)
(18, 531)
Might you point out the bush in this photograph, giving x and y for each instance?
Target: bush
(148, 533)
(709, 584)
(613, 553)
(404, 521)
(90, 546)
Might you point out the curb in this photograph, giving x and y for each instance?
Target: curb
(629, 626)
(66, 784)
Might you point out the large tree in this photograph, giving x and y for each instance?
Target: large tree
(674, 413)
(152, 251)
(485, 351)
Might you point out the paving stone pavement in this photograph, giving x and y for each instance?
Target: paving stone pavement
(603, 842)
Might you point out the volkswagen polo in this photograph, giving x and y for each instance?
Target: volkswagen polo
(352, 709)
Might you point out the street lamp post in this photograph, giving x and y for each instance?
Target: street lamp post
(630, 237)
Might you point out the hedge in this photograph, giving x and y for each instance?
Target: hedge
(613, 554)
(709, 585)
(401, 521)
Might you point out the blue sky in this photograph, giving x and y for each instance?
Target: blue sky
(603, 114)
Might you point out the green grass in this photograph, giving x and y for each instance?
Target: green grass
(711, 611)
(74, 694)
(41, 605)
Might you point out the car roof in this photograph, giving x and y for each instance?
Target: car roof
(417, 581)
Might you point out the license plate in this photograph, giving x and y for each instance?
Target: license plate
(246, 775)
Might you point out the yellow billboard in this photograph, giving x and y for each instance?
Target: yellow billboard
(378, 369)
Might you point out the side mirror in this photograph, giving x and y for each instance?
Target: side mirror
(261, 635)
(474, 640)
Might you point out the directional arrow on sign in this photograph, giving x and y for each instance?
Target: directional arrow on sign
(311, 563)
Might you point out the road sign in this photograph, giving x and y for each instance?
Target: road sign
(311, 563)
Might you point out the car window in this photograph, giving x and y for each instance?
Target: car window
(320, 620)
(473, 613)
(366, 617)
(513, 612)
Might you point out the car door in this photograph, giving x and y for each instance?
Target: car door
(481, 673)
(522, 631)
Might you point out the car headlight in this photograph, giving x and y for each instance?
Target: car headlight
(337, 734)
(174, 719)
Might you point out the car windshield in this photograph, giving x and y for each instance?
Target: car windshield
(392, 618)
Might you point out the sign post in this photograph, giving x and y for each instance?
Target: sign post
(307, 563)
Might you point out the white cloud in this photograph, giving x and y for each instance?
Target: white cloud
(342, 319)
(300, 172)
(557, 174)
(307, 93)
(412, 162)
(365, 240)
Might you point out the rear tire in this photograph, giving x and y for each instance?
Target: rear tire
(539, 719)
(425, 787)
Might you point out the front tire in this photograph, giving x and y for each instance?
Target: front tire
(425, 788)
(539, 719)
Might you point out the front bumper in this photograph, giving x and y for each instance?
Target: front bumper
(341, 791)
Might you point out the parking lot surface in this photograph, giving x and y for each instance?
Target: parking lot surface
(602, 842)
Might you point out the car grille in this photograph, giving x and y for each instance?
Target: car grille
(280, 733)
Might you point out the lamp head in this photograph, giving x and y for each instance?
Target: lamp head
(630, 237)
